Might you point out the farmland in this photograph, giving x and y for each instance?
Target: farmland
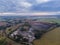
(50, 38)
(49, 30)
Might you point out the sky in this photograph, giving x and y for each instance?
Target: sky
(25, 7)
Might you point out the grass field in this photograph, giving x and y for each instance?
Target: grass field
(50, 38)
(51, 20)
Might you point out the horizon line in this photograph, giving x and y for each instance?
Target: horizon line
(28, 13)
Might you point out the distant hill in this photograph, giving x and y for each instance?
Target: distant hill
(44, 16)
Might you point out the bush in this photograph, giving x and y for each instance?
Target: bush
(2, 41)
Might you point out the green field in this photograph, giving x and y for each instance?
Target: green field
(50, 38)
(50, 20)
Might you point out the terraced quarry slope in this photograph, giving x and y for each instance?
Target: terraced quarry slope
(50, 38)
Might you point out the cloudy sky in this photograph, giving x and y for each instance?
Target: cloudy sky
(30, 7)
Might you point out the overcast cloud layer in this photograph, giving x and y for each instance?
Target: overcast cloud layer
(29, 5)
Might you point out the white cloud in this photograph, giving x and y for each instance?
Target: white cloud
(25, 4)
(22, 5)
(42, 1)
(28, 13)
